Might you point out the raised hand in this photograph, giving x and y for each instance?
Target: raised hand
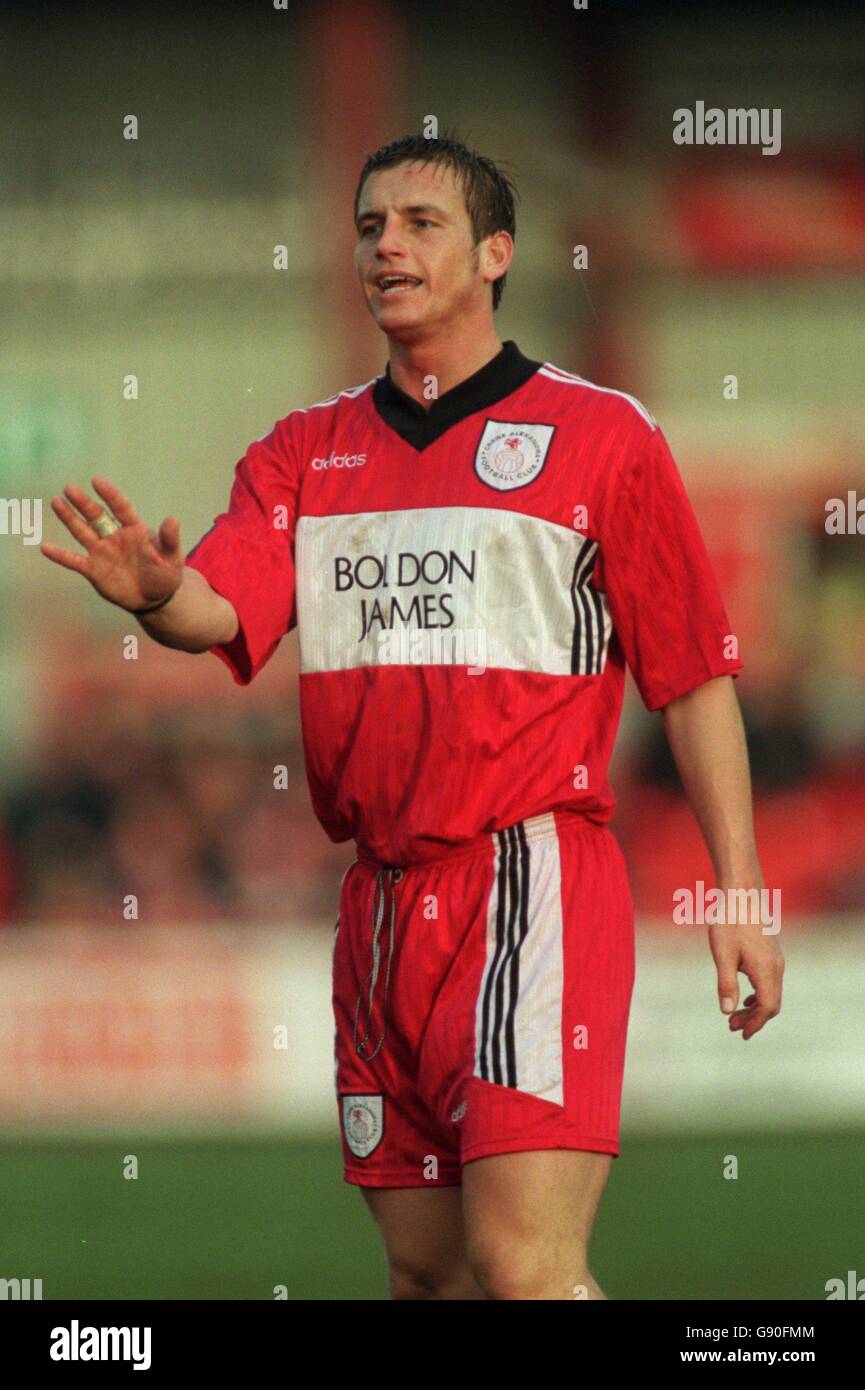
(133, 567)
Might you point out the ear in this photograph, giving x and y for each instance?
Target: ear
(496, 254)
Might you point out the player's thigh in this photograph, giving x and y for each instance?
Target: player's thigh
(534, 1206)
(423, 1233)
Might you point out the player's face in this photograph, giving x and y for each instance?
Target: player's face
(413, 222)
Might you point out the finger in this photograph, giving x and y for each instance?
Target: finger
(741, 1015)
(117, 501)
(768, 989)
(755, 1021)
(750, 1021)
(66, 558)
(746, 1010)
(89, 509)
(74, 523)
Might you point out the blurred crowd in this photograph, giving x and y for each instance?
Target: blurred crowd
(178, 819)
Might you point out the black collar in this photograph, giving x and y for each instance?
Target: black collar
(508, 370)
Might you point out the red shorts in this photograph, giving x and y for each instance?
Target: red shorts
(481, 1002)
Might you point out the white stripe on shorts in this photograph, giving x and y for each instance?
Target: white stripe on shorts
(518, 1018)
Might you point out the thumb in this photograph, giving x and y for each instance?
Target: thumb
(169, 537)
(728, 985)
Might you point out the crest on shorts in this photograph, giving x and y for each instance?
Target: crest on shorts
(363, 1123)
(511, 456)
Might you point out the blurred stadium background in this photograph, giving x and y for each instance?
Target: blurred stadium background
(154, 777)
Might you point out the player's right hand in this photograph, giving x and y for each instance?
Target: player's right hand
(135, 566)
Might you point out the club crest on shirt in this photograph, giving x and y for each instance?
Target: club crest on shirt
(511, 456)
(363, 1123)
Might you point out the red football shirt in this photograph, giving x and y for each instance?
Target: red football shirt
(468, 583)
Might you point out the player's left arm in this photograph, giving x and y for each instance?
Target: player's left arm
(707, 738)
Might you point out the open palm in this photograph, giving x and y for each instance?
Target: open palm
(135, 566)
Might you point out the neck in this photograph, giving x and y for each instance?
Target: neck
(450, 359)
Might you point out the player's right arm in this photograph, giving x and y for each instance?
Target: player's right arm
(136, 567)
(195, 619)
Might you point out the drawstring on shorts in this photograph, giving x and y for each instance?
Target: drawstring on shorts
(382, 879)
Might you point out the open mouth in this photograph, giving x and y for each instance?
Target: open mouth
(396, 284)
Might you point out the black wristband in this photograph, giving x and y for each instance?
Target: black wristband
(139, 612)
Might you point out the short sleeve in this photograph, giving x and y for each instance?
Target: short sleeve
(664, 601)
(248, 554)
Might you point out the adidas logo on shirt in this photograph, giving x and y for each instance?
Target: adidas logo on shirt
(339, 461)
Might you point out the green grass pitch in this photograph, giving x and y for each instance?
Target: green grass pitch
(217, 1219)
